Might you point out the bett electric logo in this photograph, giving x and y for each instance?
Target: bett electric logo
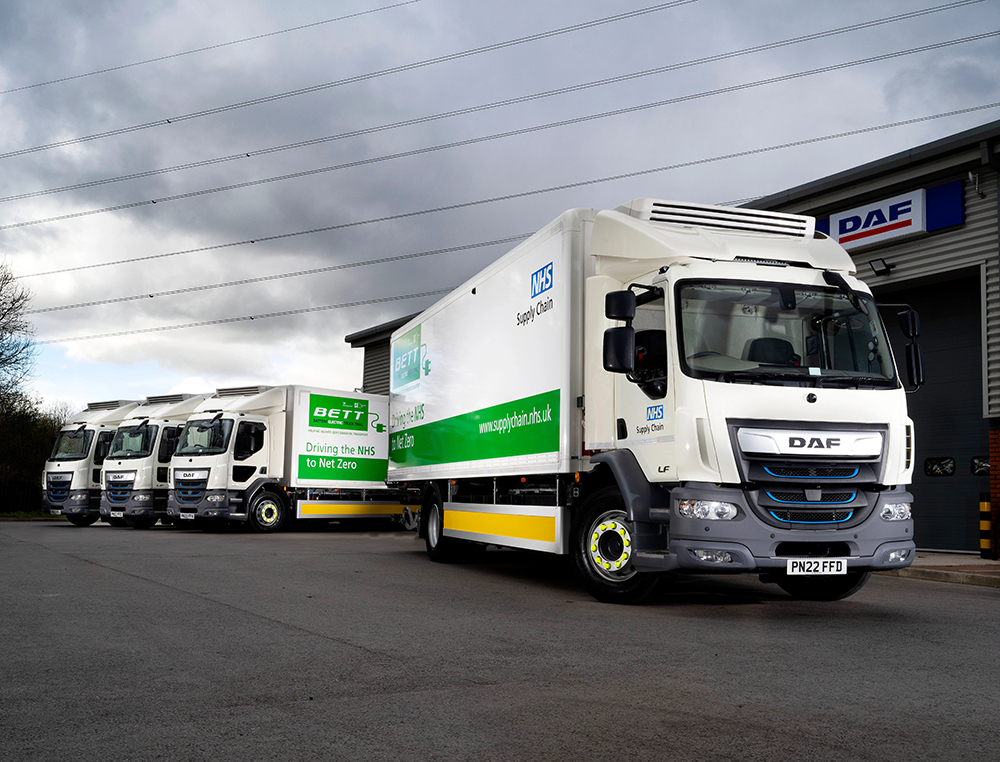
(891, 218)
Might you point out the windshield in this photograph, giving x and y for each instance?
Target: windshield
(133, 442)
(72, 444)
(206, 436)
(752, 332)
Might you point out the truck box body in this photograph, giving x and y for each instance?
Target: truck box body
(763, 387)
(319, 453)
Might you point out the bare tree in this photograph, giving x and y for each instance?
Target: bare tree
(17, 350)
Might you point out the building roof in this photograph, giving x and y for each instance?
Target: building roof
(969, 140)
(376, 333)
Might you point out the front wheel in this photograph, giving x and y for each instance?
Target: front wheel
(141, 522)
(267, 513)
(602, 551)
(81, 521)
(823, 588)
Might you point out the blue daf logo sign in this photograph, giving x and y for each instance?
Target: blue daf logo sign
(654, 413)
(541, 280)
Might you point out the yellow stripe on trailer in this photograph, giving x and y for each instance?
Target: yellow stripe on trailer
(316, 509)
(531, 527)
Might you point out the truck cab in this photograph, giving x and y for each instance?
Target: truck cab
(135, 474)
(71, 483)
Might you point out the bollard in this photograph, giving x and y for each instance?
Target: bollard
(985, 526)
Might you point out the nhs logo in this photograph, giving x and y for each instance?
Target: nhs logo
(892, 218)
(654, 413)
(541, 280)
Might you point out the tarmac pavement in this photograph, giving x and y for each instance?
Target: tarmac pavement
(959, 568)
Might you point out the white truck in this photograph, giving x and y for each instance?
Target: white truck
(135, 475)
(662, 387)
(71, 483)
(264, 455)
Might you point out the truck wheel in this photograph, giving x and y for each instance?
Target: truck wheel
(141, 522)
(117, 522)
(823, 588)
(81, 521)
(267, 513)
(602, 551)
(441, 549)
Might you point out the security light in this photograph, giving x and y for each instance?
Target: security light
(880, 266)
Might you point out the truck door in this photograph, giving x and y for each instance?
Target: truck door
(644, 398)
(250, 452)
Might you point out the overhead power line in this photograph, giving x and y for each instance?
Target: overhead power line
(265, 278)
(350, 80)
(242, 318)
(498, 104)
(501, 135)
(207, 47)
(535, 192)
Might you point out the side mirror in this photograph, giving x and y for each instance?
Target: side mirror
(915, 364)
(619, 349)
(909, 323)
(619, 305)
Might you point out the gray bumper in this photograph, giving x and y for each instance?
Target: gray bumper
(756, 546)
(213, 504)
(79, 502)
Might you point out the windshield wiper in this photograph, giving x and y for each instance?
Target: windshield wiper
(853, 381)
(761, 376)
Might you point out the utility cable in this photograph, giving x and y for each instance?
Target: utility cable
(495, 104)
(500, 135)
(265, 278)
(263, 316)
(535, 192)
(351, 80)
(207, 47)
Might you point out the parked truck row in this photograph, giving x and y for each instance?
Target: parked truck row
(659, 388)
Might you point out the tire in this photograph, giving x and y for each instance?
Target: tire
(267, 513)
(141, 522)
(823, 588)
(601, 548)
(441, 549)
(81, 521)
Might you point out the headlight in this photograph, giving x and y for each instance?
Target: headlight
(215, 498)
(895, 512)
(707, 509)
(78, 497)
(141, 498)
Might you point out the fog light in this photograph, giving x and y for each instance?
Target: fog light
(714, 556)
(895, 512)
(706, 509)
(898, 555)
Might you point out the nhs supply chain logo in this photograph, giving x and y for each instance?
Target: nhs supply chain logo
(654, 413)
(541, 280)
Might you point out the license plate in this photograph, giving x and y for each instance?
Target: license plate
(186, 516)
(798, 566)
(117, 514)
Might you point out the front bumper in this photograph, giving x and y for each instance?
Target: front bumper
(138, 504)
(754, 546)
(79, 502)
(211, 504)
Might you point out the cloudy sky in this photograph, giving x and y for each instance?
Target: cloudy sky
(105, 105)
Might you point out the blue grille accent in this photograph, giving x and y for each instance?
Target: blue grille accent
(808, 502)
(800, 521)
(58, 494)
(850, 475)
(190, 492)
(119, 493)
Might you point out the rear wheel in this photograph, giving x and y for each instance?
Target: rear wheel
(443, 549)
(80, 521)
(823, 588)
(267, 513)
(602, 551)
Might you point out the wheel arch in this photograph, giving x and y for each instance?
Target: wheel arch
(620, 467)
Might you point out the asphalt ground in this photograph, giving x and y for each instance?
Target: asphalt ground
(350, 644)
